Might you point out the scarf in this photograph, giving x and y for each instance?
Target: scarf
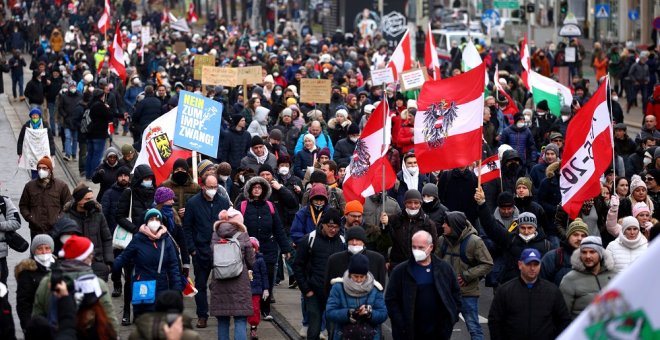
(411, 181)
(168, 213)
(262, 159)
(355, 289)
(640, 240)
(36, 125)
(145, 230)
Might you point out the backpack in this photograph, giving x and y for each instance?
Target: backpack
(86, 121)
(227, 258)
(312, 236)
(462, 250)
(244, 203)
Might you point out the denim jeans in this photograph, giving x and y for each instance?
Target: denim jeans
(202, 271)
(470, 313)
(314, 309)
(240, 327)
(95, 149)
(70, 142)
(17, 81)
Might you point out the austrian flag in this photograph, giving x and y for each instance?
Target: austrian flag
(490, 169)
(587, 152)
(449, 121)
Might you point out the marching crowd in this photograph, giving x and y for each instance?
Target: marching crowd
(271, 202)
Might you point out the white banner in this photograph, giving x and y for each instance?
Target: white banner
(35, 146)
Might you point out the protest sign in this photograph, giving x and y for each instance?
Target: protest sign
(315, 91)
(200, 61)
(225, 76)
(251, 75)
(198, 121)
(136, 26)
(179, 47)
(413, 79)
(382, 76)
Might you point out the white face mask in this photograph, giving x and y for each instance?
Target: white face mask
(564, 118)
(211, 192)
(43, 173)
(413, 170)
(44, 259)
(63, 238)
(428, 200)
(284, 171)
(520, 125)
(412, 212)
(354, 139)
(540, 113)
(527, 238)
(355, 249)
(615, 98)
(153, 225)
(279, 93)
(646, 161)
(224, 178)
(419, 255)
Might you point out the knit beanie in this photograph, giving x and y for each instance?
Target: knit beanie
(39, 240)
(324, 152)
(256, 140)
(76, 248)
(180, 163)
(526, 182)
(551, 147)
(636, 182)
(265, 167)
(152, 213)
(430, 189)
(412, 194)
(35, 110)
(356, 233)
(640, 207)
(628, 222)
(527, 218)
(275, 134)
(45, 160)
(163, 194)
(353, 206)
(593, 242)
(169, 301)
(577, 225)
(505, 199)
(359, 264)
(123, 170)
(230, 215)
(203, 167)
(127, 149)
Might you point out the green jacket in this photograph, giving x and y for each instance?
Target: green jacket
(147, 324)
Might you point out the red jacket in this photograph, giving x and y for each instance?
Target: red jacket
(405, 140)
(653, 107)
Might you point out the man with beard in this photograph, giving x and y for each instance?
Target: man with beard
(513, 169)
(182, 184)
(556, 264)
(109, 204)
(592, 271)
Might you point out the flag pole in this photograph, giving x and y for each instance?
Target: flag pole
(385, 109)
(194, 165)
(609, 108)
(479, 172)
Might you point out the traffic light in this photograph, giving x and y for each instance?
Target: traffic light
(563, 7)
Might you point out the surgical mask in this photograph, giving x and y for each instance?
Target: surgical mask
(564, 118)
(615, 98)
(413, 170)
(520, 125)
(43, 173)
(428, 200)
(35, 121)
(412, 212)
(354, 139)
(540, 113)
(44, 259)
(355, 249)
(318, 206)
(64, 238)
(646, 161)
(147, 184)
(279, 93)
(527, 238)
(153, 225)
(419, 255)
(284, 170)
(241, 178)
(72, 90)
(211, 192)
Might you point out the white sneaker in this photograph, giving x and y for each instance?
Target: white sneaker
(324, 335)
(303, 332)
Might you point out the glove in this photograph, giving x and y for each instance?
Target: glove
(648, 225)
(346, 123)
(265, 295)
(614, 203)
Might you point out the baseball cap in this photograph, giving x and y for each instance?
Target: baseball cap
(530, 254)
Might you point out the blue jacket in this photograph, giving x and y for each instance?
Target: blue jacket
(198, 223)
(339, 303)
(303, 223)
(537, 174)
(322, 141)
(145, 254)
(130, 97)
(259, 281)
(302, 160)
(109, 204)
(522, 141)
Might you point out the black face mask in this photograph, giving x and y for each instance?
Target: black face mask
(428, 206)
(336, 96)
(180, 177)
(90, 206)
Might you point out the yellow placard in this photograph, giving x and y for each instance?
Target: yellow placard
(225, 76)
(200, 61)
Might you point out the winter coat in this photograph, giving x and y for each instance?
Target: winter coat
(28, 275)
(67, 108)
(136, 200)
(557, 263)
(144, 253)
(322, 141)
(250, 161)
(625, 251)
(436, 211)
(258, 127)
(101, 116)
(480, 261)
(54, 89)
(309, 265)
(233, 297)
(527, 204)
(373, 207)
(105, 174)
(337, 131)
(405, 137)
(10, 221)
(519, 312)
(17, 64)
(234, 145)
(522, 141)
(344, 151)
(400, 297)
(21, 137)
(71, 270)
(562, 220)
(549, 195)
(579, 287)
(182, 193)
(456, 192)
(402, 227)
(338, 264)
(110, 203)
(537, 175)
(340, 303)
(41, 204)
(146, 111)
(263, 225)
(259, 281)
(35, 91)
(130, 97)
(302, 160)
(290, 134)
(93, 225)
(303, 223)
(336, 198)
(198, 223)
(400, 192)
(150, 326)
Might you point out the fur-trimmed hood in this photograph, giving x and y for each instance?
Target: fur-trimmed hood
(341, 280)
(26, 264)
(607, 262)
(551, 169)
(265, 194)
(332, 124)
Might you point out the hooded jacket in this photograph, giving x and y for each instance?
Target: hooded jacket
(234, 145)
(521, 140)
(303, 223)
(511, 175)
(28, 275)
(344, 150)
(105, 174)
(93, 225)
(250, 161)
(137, 197)
(479, 263)
(10, 221)
(625, 251)
(110, 203)
(259, 125)
(580, 286)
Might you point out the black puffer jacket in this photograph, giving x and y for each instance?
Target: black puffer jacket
(93, 226)
(101, 116)
(28, 274)
(402, 227)
(142, 200)
(105, 174)
(344, 150)
(68, 109)
(234, 146)
(146, 111)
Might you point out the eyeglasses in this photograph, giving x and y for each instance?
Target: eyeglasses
(646, 179)
(42, 168)
(354, 216)
(332, 226)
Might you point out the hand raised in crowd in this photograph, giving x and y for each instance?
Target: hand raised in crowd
(614, 203)
(479, 196)
(61, 290)
(384, 219)
(275, 185)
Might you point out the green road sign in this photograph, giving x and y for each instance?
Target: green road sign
(510, 4)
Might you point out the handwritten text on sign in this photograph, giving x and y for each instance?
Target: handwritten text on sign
(315, 91)
(200, 61)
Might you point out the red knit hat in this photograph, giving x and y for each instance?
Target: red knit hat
(77, 248)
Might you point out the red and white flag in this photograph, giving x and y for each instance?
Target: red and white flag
(401, 59)
(511, 108)
(104, 21)
(525, 61)
(448, 124)
(158, 150)
(490, 169)
(117, 56)
(431, 55)
(364, 176)
(587, 152)
(192, 16)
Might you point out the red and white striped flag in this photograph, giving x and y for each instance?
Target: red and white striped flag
(587, 152)
(431, 55)
(117, 56)
(525, 61)
(364, 176)
(511, 108)
(490, 169)
(448, 124)
(401, 59)
(192, 15)
(104, 21)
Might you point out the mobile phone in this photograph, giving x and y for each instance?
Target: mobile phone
(170, 318)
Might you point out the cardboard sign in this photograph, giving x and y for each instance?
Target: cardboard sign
(251, 75)
(179, 47)
(136, 26)
(225, 76)
(198, 121)
(201, 61)
(145, 34)
(382, 76)
(413, 79)
(570, 54)
(315, 91)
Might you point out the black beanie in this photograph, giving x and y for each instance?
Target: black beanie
(235, 119)
(169, 301)
(505, 199)
(180, 163)
(359, 264)
(356, 233)
(80, 193)
(331, 216)
(265, 167)
(256, 140)
(318, 176)
(123, 170)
